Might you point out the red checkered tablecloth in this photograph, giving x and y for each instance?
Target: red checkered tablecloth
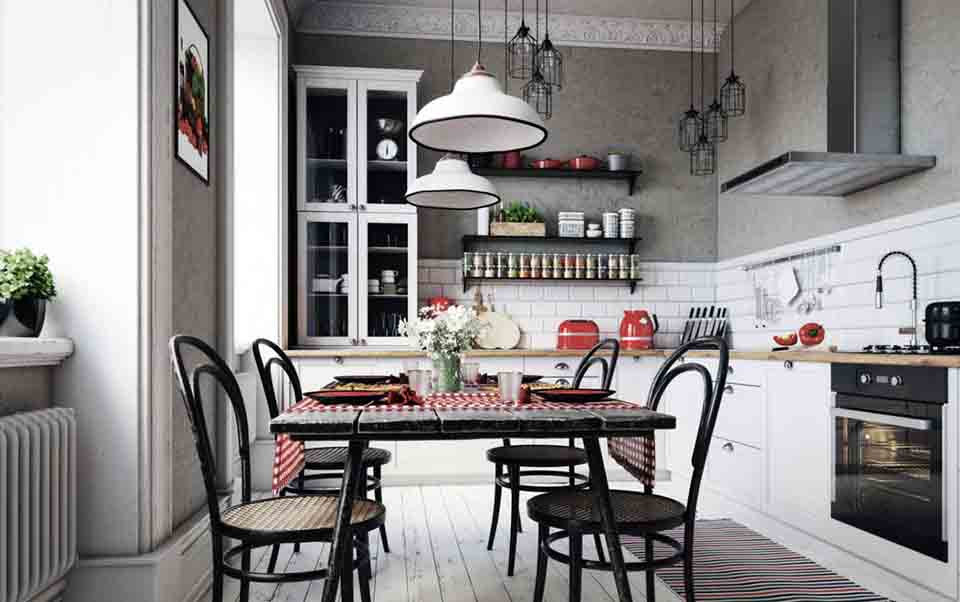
(636, 454)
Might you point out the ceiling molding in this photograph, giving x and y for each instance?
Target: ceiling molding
(337, 18)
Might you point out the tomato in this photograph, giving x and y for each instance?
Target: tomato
(812, 334)
(786, 340)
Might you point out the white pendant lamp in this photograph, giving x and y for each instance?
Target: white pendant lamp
(452, 185)
(477, 117)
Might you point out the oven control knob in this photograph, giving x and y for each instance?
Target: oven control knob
(895, 381)
(866, 378)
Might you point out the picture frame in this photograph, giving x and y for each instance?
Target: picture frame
(191, 127)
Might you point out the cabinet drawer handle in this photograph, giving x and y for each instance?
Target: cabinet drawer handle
(788, 365)
(563, 381)
(351, 206)
(728, 447)
(562, 366)
(729, 369)
(728, 389)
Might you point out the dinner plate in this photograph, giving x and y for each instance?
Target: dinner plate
(363, 379)
(347, 397)
(574, 395)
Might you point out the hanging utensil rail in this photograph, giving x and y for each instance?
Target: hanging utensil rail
(794, 257)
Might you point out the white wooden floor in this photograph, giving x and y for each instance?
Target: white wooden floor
(438, 554)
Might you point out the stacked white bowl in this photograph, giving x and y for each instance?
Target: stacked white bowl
(627, 223)
(611, 225)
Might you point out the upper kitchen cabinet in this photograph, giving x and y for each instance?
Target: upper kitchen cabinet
(354, 154)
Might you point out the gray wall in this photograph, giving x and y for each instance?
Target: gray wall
(614, 100)
(195, 283)
(781, 54)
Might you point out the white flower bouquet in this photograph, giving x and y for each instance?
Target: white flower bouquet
(443, 333)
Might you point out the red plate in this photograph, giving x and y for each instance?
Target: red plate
(574, 395)
(349, 397)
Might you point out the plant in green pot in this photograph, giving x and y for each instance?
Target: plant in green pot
(445, 334)
(26, 285)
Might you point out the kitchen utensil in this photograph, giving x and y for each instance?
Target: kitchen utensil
(577, 334)
(943, 324)
(508, 384)
(546, 164)
(330, 396)
(584, 163)
(363, 379)
(788, 285)
(500, 332)
(389, 127)
(618, 161)
(686, 328)
(574, 395)
(637, 329)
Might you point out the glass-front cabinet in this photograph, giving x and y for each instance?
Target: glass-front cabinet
(356, 235)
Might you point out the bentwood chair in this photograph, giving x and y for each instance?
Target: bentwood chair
(523, 461)
(265, 522)
(330, 461)
(645, 515)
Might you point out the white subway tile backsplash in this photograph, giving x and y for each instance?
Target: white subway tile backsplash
(443, 276)
(582, 293)
(568, 309)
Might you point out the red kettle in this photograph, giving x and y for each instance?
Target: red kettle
(637, 329)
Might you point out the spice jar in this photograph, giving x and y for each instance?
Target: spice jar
(467, 263)
(558, 260)
(613, 266)
(601, 267)
(513, 267)
(569, 266)
(535, 265)
(624, 267)
(524, 265)
(501, 265)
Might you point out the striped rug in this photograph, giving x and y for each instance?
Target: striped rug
(733, 563)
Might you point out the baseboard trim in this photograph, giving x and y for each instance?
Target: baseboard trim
(178, 571)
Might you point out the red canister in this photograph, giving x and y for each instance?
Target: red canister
(578, 334)
(637, 329)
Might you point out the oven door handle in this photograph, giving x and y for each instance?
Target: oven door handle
(914, 424)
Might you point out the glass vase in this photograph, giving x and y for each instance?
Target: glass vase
(446, 368)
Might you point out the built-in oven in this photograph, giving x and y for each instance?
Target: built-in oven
(888, 466)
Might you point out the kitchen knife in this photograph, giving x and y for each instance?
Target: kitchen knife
(695, 325)
(710, 323)
(686, 328)
(723, 325)
(698, 326)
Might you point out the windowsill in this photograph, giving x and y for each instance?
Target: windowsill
(18, 352)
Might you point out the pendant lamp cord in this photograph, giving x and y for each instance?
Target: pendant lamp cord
(453, 77)
(732, 37)
(479, 31)
(506, 51)
(716, 55)
(537, 17)
(702, 63)
(546, 22)
(691, 55)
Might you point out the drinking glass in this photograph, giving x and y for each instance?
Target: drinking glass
(509, 383)
(470, 373)
(421, 381)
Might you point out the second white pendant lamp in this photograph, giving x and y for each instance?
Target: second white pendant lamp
(477, 116)
(452, 185)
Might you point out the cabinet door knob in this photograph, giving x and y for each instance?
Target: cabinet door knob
(338, 360)
(728, 389)
(363, 341)
(729, 369)
(728, 447)
(351, 206)
(788, 365)
(363, 207)
(561, 366)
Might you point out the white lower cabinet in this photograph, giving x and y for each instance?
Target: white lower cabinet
(799, 432)
(736, 470)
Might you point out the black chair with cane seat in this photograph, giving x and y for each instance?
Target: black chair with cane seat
(646, 515)
(329, 461)
(539, 461)
(265, 522)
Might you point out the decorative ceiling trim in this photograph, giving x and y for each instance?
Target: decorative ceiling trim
(337, 18)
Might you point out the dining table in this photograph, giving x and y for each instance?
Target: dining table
(451, 417)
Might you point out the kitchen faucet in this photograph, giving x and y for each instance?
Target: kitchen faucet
(913, 301)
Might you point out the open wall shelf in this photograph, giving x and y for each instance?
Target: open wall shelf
(627, 175)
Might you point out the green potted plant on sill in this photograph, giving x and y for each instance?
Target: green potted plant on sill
(26, 285)
(518, 219)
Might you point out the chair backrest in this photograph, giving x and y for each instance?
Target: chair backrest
(591, 358)
(710, 405)
(208, 363)
(265, 370)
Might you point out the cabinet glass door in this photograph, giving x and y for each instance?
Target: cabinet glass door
(387, 157)
(326, 289)
(327, 139)
(388, 265)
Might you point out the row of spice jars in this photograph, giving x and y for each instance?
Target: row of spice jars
(573, 266)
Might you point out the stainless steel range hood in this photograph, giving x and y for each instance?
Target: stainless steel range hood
(863, 113)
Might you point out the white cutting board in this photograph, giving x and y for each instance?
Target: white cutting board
(501, 332)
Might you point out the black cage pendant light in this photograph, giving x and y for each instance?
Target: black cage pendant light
(537, 92)
(549, 58)
(522, 50)
(703, 157)
(733, 94)
(689, 130)
(716, 118)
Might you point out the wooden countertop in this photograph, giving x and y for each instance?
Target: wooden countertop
(818, 356)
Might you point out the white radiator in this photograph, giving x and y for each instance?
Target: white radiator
(38, 508)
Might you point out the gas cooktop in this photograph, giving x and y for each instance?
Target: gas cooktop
(911, 350)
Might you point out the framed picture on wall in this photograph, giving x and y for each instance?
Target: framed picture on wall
(192, 93)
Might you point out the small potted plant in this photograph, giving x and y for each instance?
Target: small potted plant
(518, 219)
(444, 334)
(26, 285)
